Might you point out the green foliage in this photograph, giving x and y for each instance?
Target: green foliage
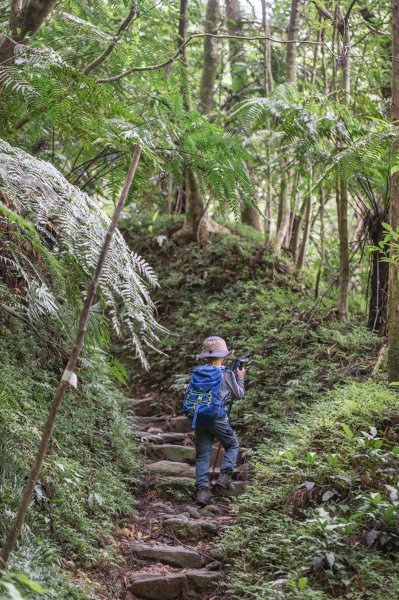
(88, 476)
(325, 507)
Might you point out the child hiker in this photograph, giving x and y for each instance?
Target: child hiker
(210, 386)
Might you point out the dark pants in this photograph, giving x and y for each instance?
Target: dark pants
(204, 436)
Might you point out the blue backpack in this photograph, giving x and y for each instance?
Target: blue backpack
(202, 400)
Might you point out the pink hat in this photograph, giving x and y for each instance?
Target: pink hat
(214, 347)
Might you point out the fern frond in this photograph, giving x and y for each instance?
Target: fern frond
(57, 209)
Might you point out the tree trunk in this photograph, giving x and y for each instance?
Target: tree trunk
(377, 320)
(284, 217)
(24, 20)
(393, 294)
(296, 231)
(182, 34)
(315, 57)
(267, 51)
(239, 80)
(293, 28)
(268, 86)
(306, 232)
(195, 225)
(343, 234)
(250, 216)
(324, 62)
(322, 244)
(342, 205)
(208, 77)
(237, 59)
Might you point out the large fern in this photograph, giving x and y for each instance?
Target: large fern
(63, 214)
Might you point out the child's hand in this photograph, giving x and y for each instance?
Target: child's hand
(241, 373)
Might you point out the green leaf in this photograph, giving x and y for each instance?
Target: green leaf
(33, 585)
(302, 583)
(348, 432)
(389, 513)
(394, 169)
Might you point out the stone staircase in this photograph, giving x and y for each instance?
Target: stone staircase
(178, 557)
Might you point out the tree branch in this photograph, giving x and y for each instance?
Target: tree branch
(196, 36)
(111, 47)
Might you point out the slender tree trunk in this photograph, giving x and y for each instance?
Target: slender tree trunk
(68, 377)
(346, 60)
(268, 86)
(377, 320)
(343, 229)
(296, 231)
(324, 62)
(285, 209)
(393, 294)
(239, 80)
(195, 224)
(315, 57)
(238, 68)
(343, 234)
(182, 34)
(322, 244)
(293, 35)
(306, 232)
(267, 51)
(208, 77)
(269, 195)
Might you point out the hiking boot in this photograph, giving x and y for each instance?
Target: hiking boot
(224, 480)
(203, 496)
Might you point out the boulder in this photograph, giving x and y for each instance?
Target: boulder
(176, 556)
(154, 586)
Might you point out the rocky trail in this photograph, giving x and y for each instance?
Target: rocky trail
(171, 548)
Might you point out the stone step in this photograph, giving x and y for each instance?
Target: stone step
(164, 438)
(144, 423)
(179, 425)
(180, 469)
(176, 556)
(179, 453)
(144, 407)
(173, 452)
(173, 486)
(168, 467)
(156, 586)
(190, 530)
(171, 424)
(203, 580)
